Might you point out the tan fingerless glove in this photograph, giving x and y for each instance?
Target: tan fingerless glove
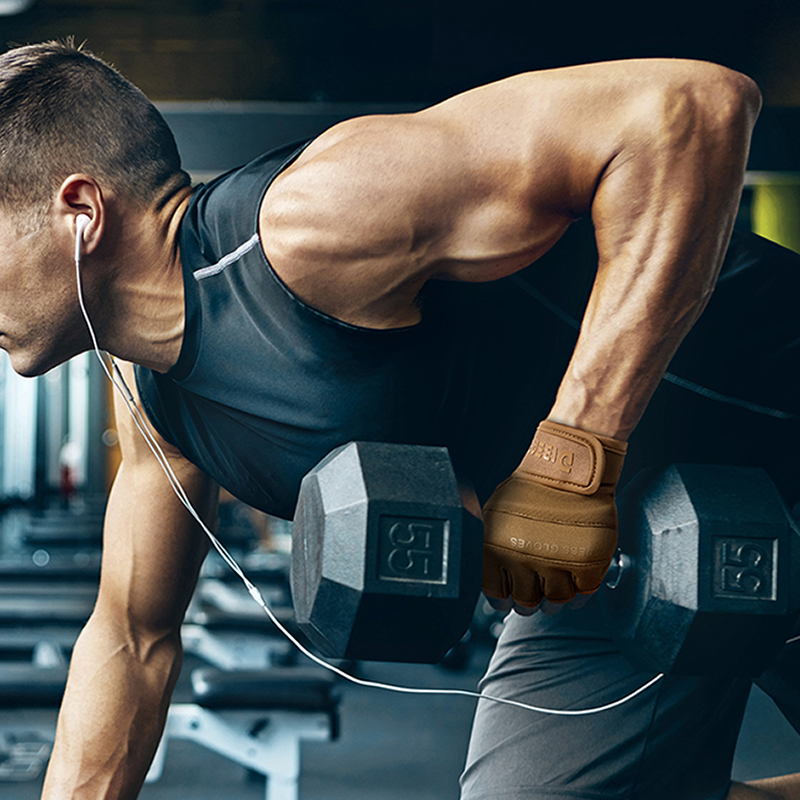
(550, 530)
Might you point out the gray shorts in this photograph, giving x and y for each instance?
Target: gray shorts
(675, 741)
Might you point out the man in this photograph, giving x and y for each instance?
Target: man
(302, 302)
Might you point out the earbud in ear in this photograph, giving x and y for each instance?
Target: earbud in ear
(81, 221)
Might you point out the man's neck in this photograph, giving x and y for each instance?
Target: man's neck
(142, 317)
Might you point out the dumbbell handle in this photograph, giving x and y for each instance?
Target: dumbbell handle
(620, 564)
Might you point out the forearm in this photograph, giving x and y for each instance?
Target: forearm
(663, 214)
(112, 715)
(617, 365)
(128, 657)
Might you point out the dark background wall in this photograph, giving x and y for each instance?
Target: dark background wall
(410, 51)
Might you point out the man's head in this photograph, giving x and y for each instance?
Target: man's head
(75, 138)
(64, 111)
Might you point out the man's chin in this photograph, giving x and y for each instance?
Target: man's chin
(30, 368)
(28, 372)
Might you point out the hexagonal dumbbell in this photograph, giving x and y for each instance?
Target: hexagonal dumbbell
(386, 559)
(708, 576)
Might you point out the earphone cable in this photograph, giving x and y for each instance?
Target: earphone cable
(118, 381)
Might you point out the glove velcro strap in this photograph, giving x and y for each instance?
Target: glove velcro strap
(567, 458)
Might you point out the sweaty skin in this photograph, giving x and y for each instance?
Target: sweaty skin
(472, 189)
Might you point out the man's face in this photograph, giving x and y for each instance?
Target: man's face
(40, 322)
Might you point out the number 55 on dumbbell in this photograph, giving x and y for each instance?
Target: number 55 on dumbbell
(386, 563)
(707, 579)
(386, 558)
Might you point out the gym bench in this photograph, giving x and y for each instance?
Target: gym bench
(256, 719)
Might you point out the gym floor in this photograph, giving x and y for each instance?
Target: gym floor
(395, 746)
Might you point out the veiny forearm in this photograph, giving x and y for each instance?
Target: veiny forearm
(112, 715)
(663, 212)
(128, 657)
(618, 362)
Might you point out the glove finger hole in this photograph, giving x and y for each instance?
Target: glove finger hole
(507, 579)
(524, 587)
(589, 581)
(558, 586)
(494, 579)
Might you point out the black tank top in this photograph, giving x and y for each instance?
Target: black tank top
(265, 385)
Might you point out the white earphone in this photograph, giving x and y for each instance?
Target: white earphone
(115, 376)
(81, 221)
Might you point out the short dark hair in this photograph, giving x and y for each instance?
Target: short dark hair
(64, 110)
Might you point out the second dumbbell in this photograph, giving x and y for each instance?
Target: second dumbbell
(708, 578)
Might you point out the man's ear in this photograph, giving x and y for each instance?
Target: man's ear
(81, 194)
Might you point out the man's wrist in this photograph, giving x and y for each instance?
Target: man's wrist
(602, 425)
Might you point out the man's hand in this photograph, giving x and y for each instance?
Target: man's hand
(551, 528)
